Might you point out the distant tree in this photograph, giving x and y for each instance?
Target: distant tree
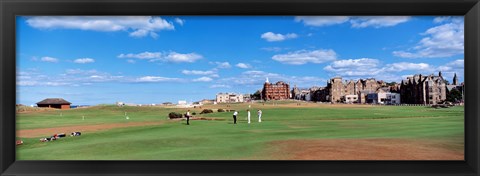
(454, 95)
(447, 82)
(256, 95)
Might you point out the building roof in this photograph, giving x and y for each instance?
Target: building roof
(60, 101)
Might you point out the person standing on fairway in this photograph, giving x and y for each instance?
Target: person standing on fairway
(235, 117)
(259, 112)
(188, 116)
(248, 115)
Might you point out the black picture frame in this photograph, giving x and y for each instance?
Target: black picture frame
(11, 8)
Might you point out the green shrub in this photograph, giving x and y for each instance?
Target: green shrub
(221, 110)
(206, 111)
(174, 115)
(194, 113)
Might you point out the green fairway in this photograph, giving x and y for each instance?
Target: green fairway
(218, 138)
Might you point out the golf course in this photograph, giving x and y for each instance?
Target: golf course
(288, 131)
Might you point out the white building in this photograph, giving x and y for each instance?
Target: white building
(229, 98)
(182, 102)
(383, 98)
(393, 98)
(351, 98)
(119, 103)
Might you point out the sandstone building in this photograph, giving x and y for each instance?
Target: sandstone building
(420, 89)
(277, 91)
(338, 91)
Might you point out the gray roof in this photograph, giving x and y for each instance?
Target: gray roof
(60, 101)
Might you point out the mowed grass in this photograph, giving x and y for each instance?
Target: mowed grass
(220, 139)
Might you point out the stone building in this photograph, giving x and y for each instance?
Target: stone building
(296, 93)
(338, 90)
(420, 89)
(277, 91)
(322, 94)
(229, 98)
(455, 86)
(304, 94)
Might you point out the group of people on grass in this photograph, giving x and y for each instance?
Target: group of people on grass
(259, 113)
(57, 136)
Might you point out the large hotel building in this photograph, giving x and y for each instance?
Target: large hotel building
(277, 91)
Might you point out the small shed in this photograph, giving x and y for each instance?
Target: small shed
(58, 103)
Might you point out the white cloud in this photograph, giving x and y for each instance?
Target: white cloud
(84, 60)
(203, 79)
(49, 59)
(75, 77)
(131, 61)
(144, 55)
(272, 37)
(179, 21)
(373, 68)
(80, 72)
(243, 65)
(304, 56)
(155, 79)
(139, 33)
(136, 26)
(274, 49)
(354, 67)
(179, 57)
(220, 86)
(197, 72)
(321, 20)
(441, 41)
(450, 69)
(355, 21)
(256, 78)
(222, 65)
(403, 66)
(458, 64)
(454, 65)
(166, 57)
(27, 83)
(378, 22)
(448, 19)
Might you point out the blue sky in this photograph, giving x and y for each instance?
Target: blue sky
(142, 59)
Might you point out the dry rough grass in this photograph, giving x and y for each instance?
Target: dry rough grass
(43, 132)
(364, 149)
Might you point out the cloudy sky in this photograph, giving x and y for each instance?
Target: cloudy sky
(143, 59)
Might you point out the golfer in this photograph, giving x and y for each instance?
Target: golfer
(259, 112)
(248, 115)
(235, 117)
(188, 116)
